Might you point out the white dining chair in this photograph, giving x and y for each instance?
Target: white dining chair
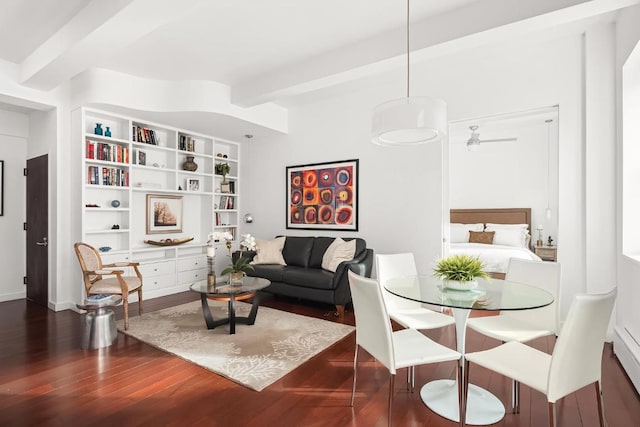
(575, 362)
(409, 314)
(525, 325)
(395, 350)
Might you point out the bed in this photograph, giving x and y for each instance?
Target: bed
(510, 229)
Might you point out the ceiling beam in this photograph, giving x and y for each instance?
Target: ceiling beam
(473, 25)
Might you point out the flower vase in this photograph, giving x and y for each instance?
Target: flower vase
(189, 164)
(461, 286)
(235, 278)
(107, 132)
(98, 129)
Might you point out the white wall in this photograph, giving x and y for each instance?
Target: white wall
(14, 131)
(519, 180)
(627, 329)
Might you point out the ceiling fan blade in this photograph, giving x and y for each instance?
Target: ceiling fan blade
(499, 140)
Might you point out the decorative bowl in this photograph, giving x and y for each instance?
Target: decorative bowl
(104, 248)
(461, 286)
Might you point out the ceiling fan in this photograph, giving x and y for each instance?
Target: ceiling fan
(474, 141)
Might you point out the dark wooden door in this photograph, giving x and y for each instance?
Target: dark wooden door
(38, 230)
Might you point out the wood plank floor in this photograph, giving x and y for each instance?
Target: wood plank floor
(46, 379)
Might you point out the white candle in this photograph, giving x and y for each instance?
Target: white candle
(540, 227)
(211, 251)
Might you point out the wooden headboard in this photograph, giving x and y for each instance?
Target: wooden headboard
(496, 216)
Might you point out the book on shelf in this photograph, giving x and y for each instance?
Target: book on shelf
(107, 152)
(144, 135)
(186, 143)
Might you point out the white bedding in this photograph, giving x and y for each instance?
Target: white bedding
(495, 257)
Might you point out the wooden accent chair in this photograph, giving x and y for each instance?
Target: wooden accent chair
(93, 272)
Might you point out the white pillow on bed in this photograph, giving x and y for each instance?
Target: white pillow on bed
(494, 226)
(460, 232)
(509, 236)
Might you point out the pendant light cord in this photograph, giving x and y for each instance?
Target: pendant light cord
(408, 49)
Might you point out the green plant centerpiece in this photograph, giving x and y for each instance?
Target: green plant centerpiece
(460, 271)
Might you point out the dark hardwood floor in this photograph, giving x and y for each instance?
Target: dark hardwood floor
(46, 379)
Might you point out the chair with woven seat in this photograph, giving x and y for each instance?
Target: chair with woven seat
(395, 350)
(108, 278)
(576, 360)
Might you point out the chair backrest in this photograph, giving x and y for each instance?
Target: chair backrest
(545, 275)
(89, 259)
(577, 356)
(373, 328)
(391, 266)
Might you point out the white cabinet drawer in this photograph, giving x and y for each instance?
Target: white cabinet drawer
(192, 263)
(157, 282)
(157, 268)
(192, 276)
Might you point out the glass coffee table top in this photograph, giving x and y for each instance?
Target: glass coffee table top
(249, 284)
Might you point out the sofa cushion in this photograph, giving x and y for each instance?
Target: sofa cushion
(269, 251)
(308, 277)
(297, 251)
(337, 252)
(271, 272)
(320, 245)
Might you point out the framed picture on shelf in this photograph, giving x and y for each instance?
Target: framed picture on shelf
(164, 214)
(193, 184)
(1, 187)
(323, 196)
(142, 158)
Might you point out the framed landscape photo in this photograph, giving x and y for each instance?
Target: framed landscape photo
(164, 214)
(323, 196)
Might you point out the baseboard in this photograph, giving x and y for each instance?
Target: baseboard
(13, 296)
(628, 353)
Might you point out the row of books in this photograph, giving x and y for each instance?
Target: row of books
(146, 135)
(226, 202)
(107, 176)
(109, 152)
(186, 143)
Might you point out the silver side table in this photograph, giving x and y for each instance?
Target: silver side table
(99, 322)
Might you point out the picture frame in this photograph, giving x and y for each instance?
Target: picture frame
(323, 196)
(1, 187)
(142, 158)
(164, 214)
(193, 184)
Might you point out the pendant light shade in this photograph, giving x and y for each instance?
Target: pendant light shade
(409, 121)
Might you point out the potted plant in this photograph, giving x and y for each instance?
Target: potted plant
(240, 266)
(460, 271)
(223, 169)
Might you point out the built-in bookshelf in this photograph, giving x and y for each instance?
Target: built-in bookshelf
(142, 164)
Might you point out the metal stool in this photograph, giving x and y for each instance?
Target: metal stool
(100, 323)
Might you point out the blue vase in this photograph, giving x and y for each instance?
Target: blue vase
(107, 132)
(98, 129)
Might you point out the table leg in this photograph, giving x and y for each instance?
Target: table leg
(441, 396)
(208, 317)
(232, 316)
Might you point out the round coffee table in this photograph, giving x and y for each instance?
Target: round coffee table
(230, 292)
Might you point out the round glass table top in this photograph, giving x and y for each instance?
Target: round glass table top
(490, 294)
(249, 284)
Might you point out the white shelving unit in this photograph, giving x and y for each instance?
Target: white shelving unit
(142, 158)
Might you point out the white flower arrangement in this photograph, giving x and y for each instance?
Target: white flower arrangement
(219, 236)
(248, 243)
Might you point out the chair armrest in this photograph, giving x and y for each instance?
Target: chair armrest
(103, 272)
(122, 264)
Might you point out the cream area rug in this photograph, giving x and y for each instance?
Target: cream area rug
(255, 356)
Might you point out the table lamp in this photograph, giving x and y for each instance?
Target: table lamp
(539, 242)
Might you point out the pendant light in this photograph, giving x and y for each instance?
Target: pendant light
(548, 211)
(410, 120)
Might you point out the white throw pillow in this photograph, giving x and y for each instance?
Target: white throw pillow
(269, 251)
(337, 252)
(460, 232)
(506, 236)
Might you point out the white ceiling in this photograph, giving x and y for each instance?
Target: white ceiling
(265, 51)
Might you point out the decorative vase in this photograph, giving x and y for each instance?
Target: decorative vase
(236, 278)
(460, 286)
(107, 132)
(211, 266)
(189, 164)
(98, 129)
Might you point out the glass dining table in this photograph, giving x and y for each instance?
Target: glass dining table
(441, 396)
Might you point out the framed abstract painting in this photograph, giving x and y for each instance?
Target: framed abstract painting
(323, 196)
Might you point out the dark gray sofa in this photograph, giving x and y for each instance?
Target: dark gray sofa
(303, 276)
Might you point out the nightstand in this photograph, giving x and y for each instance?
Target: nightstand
(547, 253)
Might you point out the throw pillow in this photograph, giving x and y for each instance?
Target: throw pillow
(485, 237)
(269, 251)
(337, 252)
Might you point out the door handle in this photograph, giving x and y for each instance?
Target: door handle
(43, 243)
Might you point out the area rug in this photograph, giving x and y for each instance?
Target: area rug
(255, 356)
